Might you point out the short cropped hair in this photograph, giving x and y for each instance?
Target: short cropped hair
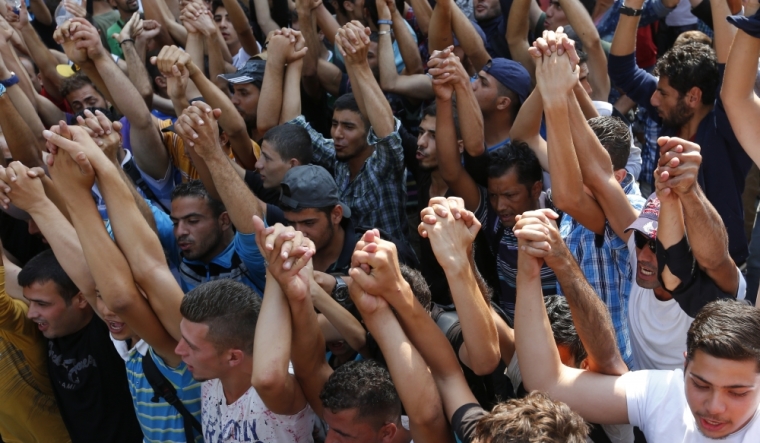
(689, 65)
(75, 83)
(432, 111)
(693, 36)
(518, 155)
(535, 418)
(615, 136)
(229, 308)
(44, 267)
(347, 102)
(563, 327)
(290, 141)
(365, 386)
(728, 329)
(195, 188)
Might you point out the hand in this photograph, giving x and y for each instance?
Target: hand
(353, 42)
(75, 9)
(678, 168)
(86, 37)
(6, 31)
(172, 55)
(176, 82)
(288, 254)
(18, 20)
(442, 84)
(446, 67)
(198, 128)
(21, 186)
(366, 303)
(203, 22)
(375, 267)
(146, 30)
(69, 163)
(451, 239)
(286, 46)
(105, 133)
(63, 36)
(128, 31)
(537, 235)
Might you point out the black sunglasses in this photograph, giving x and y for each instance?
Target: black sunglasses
(642, 240)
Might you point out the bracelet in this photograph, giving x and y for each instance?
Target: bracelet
(385, 22)
(627, 10)
(126, 40)
(383, 32)
(10, 81)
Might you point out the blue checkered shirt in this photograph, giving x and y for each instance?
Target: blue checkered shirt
(377, 195)
(650, 151)
(604, 261)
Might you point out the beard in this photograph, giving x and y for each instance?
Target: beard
(679, 116)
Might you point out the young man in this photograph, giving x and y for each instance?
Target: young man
(685, 98)
(126, 8)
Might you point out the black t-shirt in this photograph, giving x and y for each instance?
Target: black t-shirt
(465, 419)
(89, 379)
(256, 185)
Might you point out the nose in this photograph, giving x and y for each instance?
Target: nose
(423, 141)
(180, 349)
(32, 313)
(180, 229)
(715, 404)
(655, 99)
(259, 164)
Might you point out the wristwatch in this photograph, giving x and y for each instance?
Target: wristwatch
(340, 291)
(627, 10)
(10, 81)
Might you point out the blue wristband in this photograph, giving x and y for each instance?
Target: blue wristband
(12, 80)
(385, 22)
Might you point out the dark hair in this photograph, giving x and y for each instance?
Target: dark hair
(615, 136)
(195, 188)
(107, 112)
(347, 102)
(563, 327)
(152, 69)
(44, 267)
(290, 141)
(515, 154)
(419, 286)
(582, 56)
(229, 308)
(371, 6)
(727, 329)
(75, 83)
(432, 111)
(219, 4)
(514, 99)
(535, 418)
(689, 65)
(365, 386)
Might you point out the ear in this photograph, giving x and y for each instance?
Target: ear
(620, 175)
(685, 361)
(160, 81)
(336, 215)
(694, 97)
(235, 357)
(293, 162)
(460, 146)
(536, 189)
(387, 432)
(223, 138)
(79, 301)
(224, 220)
(584, 364)
(503, 102)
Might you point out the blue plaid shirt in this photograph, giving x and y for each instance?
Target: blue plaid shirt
(650, 152)
(377, 195)
(604, 261)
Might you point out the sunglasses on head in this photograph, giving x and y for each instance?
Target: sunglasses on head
(642, 240)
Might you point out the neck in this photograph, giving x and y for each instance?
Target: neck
(438, 186)
(496, 127)
(227, 238)
(124, 15)
(237, 382)
(234, 48)
(402, 435)
(330, 253)
(254, 134)
(99, 8)
(662, 294)
(355, 164)
(688, 130)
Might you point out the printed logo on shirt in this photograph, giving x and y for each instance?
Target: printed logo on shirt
(71, 366)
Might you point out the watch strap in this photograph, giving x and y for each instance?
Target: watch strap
(627, 10)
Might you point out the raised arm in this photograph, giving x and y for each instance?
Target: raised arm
(282, 53)
(452, 241)
(422, 12)
(739, 99)
(272, 341)
(704, 227)
(14, 106)
(470, 118)
(414, 384)
(582, 24)
(147, 147)
(242, 27)
(518, 27)
(40, 54)
(198, 128)
(449, 163)
(598, 398)
(555, 81)
(724, 31)
(107, 264)
(133, 45)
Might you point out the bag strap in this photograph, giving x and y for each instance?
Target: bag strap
(162, 388)
(130, 167)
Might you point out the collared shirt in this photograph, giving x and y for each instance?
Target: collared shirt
(377, 195)
(604, 261)
(352, 235)
(504, 246)
(241, 260)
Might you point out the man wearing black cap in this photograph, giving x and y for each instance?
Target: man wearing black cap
(245, 87)
(501, 87)
(311, 203)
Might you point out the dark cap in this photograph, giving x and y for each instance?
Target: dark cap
(647, 221)
(252, 72)
(511, 74)
(310, 186)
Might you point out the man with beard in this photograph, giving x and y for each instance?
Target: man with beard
(685, 99)
(126, 8)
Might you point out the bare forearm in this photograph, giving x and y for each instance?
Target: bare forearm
(423, 13)
(291, 103)
(518, 26)
(470, 120)
(378, 110)
(724, 31)
(624, 41)
(343, 321)
(137, 72)
(22, 142)
(42, 57)
(326, 23)
(271, 97)
(470, 40)
(705, 229)
(240, 23)
(240, 202)
(439, 31)
(386, 63)
(264, 16)
(410, 53)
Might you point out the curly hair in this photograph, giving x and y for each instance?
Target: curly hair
(519, 155)
(563, 327)
(535, 418)
(365, 386)
(419, 286)
(688, 65)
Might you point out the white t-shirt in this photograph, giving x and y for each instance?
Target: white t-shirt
(248, 419)
(657, 405)
(657, 328)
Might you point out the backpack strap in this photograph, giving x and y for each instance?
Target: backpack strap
(162, 388)
(130, 168)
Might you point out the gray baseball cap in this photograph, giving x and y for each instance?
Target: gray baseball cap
(252, 72)
(310, 186)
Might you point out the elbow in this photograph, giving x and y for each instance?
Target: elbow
(485, 364)
(268, 382)
(430, 413)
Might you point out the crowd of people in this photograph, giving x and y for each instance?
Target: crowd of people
(379, 221)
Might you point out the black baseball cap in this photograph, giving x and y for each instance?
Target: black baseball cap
(252, 72)
(310, 186)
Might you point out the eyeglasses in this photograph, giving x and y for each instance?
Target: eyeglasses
(642, 240)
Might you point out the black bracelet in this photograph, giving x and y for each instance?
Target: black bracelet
(126, 40)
